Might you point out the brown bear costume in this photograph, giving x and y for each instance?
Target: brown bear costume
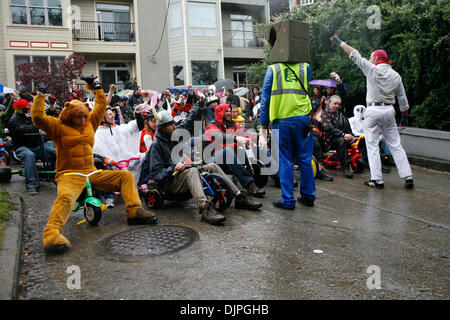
(74, 154)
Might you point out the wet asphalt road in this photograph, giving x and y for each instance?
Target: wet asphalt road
(263, 255)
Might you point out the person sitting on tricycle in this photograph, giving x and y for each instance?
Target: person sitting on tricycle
(162, 169)
(73, 135)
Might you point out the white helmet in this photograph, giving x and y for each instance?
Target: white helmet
(165, 117)
(212, 99)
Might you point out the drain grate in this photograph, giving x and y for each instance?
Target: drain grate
(147, 242)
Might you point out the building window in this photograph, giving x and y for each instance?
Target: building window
(53, 61)
(175, 20)
(114, 22)
(115, 72)
(204, 72)
(178, 74)
(202, 19)
(240, 75)
(36, 12)
(242, 34)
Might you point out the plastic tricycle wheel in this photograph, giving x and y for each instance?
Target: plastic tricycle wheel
(92, 214)
(154, 199)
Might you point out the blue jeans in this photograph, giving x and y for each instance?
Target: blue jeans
(234, 166)
(29, 157)
(145, 170)
(289, 133)
(384, 150)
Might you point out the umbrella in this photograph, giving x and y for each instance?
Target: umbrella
(240, 91)
(325, 83)
(224, 83)
(125, 92)
(5, 89)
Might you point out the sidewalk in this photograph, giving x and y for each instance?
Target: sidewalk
(11, 250)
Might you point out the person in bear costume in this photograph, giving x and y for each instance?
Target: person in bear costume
(73, 136)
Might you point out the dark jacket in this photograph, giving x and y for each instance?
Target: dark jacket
(199, 112)
(234, 100)
(18, 126)
(161, 165)
(135, 99)
(334, 124)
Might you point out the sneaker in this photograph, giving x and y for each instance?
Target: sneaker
(322, 175)
(143, 187)
(110, 203)
(374, 184)
(409, 184)
(306, 201)
(347, 173)
(278, 204)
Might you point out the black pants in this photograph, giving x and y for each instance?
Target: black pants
(341, 146)
(318, 148)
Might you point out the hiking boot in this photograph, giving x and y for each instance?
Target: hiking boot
(322, 175)
(244, 201)
(306, 201)
(374, 184)
(253, 190)
(210, 215)
(143, 217)
(409, 184)
(347, 173)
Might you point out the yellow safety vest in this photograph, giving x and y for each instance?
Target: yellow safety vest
(288, 98)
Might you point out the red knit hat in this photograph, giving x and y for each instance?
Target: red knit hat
(21, 104)
(382, 56)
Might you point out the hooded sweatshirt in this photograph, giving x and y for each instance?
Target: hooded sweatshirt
(221, 133)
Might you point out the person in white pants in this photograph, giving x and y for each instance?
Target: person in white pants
(383, 85)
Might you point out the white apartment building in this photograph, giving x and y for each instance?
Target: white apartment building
(161, 43)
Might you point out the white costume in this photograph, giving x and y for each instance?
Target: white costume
(357, 121)
(383, 85)
(120, 142)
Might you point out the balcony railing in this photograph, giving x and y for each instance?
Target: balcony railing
(103, 31)
(242, 39)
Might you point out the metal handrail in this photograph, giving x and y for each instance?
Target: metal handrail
(242, 39)
(103, 31)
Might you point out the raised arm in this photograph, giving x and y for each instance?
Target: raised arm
(100, 104)
(42, 121)
(354, 55)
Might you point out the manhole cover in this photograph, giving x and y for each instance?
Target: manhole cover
(149, 242)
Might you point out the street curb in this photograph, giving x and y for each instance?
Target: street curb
(430, 163)
(10, 254)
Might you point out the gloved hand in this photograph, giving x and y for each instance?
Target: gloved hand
(92, 82)
(42, 89)
(336, 39)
